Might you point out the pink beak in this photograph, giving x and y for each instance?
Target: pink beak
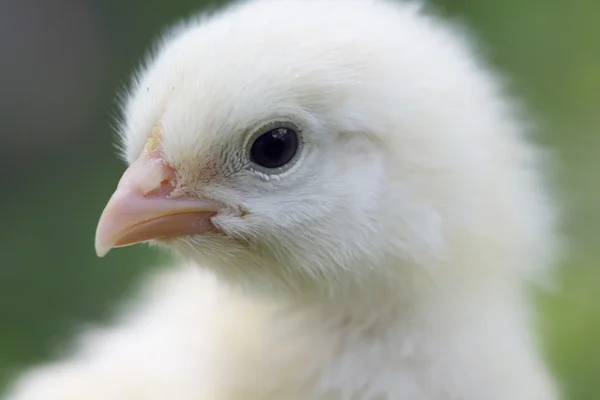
(141, 209)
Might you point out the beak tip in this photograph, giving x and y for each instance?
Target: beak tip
(102, 249)
(101, 254)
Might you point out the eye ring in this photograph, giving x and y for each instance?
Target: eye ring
(274, 148)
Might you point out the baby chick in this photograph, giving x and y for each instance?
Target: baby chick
(354, 205)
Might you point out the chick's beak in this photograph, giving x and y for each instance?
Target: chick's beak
(141, 210)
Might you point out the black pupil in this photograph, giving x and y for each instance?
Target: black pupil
(275, 148)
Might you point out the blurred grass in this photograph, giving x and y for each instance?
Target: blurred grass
(50, 279)
(570, 324)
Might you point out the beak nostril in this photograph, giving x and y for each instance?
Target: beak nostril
(166, 187)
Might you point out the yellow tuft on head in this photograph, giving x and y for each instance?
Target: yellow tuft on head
(153, 141)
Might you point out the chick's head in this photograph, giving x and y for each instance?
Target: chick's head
(307, 146)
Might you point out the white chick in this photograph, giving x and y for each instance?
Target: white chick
(358, 211)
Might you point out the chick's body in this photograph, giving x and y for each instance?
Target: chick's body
(387, 259)
(193, 339)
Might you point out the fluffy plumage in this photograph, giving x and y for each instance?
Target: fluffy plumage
(389, 262)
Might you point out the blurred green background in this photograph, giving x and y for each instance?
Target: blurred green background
(61, 64)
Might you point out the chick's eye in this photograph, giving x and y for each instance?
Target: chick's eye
(275, 148)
